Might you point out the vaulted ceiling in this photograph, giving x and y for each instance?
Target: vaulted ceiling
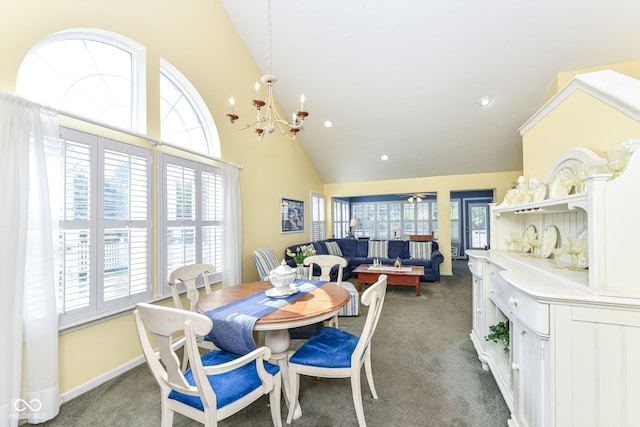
(404, 78)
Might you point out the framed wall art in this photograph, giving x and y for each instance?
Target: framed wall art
(291, 215)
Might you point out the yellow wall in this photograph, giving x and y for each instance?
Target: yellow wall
(198, 39)
(443, 185)
(580, 121)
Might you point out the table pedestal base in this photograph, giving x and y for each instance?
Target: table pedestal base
(278, 341)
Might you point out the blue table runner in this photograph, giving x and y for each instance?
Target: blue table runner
(233, 323)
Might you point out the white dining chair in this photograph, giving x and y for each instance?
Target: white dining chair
(218, 384)
(326, 263)
(335, 353)
(189, 275)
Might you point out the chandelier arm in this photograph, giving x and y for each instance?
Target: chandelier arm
(283, 131)
(296, 124)
(282, 122)
(247, 126)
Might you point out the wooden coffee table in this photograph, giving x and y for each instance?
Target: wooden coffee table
(406, 275)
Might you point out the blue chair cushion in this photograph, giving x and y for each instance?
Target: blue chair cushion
(329, 348)
(229, 386)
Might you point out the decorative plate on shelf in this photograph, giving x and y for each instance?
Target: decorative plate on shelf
(561, 183)
(549, 241)
(530, 231)
(583, 258)
(541, 192)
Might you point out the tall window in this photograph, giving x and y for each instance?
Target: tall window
(390, 220)
(317, 217)
(456, 223)
(341, 218)
(105, 225)
(191, 229)
(93, 73)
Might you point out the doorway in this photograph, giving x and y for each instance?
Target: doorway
(477, 224)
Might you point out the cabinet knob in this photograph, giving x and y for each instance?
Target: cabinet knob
(513, 301)
(479, 310)
(491, 290)
(515, 366)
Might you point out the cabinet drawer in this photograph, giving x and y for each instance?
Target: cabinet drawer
(496, 278)
(500, 297)
(529, 311)
(476, 267)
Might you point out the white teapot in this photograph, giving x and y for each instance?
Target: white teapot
(283, 276)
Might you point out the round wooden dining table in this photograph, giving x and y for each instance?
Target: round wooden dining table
(320, 304)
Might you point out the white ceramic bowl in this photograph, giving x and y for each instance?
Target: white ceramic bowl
(282, 276)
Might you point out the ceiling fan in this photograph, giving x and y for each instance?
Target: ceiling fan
(417, 197)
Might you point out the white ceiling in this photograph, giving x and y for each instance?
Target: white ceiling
(404, 77)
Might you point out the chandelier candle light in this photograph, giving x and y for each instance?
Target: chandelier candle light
(268, 119)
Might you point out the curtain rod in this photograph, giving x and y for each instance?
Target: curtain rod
(145, 137)
(154, 141)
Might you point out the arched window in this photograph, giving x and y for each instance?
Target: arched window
(184, 117)
(106, 254)
(92, 73)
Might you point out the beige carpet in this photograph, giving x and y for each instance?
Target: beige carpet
(425, 368)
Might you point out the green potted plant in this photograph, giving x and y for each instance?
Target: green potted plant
(499, 333)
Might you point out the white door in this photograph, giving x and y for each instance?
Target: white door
(477, 225)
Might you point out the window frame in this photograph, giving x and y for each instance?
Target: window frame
(197, 104)
(163, 159)
(97, 226)
(368, 215)
(157, 288)
(341, 218)
(138, 66)
(318, 231)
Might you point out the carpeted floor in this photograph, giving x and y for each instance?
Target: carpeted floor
(425, 368)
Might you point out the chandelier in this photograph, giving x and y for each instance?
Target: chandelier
(268, 119)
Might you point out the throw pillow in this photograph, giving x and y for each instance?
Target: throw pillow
(420, 250)
(378, 249)
(333, 248)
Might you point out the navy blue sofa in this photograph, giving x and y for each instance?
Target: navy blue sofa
(356, 251)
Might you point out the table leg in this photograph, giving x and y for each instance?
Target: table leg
(417, 286)
(278, 341)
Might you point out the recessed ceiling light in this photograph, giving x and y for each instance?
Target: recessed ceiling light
(484, 101)
(384, 157)
(328, 123)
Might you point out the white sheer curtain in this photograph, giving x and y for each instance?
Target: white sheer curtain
(28, 315)
(232, 232)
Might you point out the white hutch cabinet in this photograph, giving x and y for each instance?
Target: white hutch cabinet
(574, 356)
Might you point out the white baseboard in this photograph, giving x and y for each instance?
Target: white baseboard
(95, 382)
